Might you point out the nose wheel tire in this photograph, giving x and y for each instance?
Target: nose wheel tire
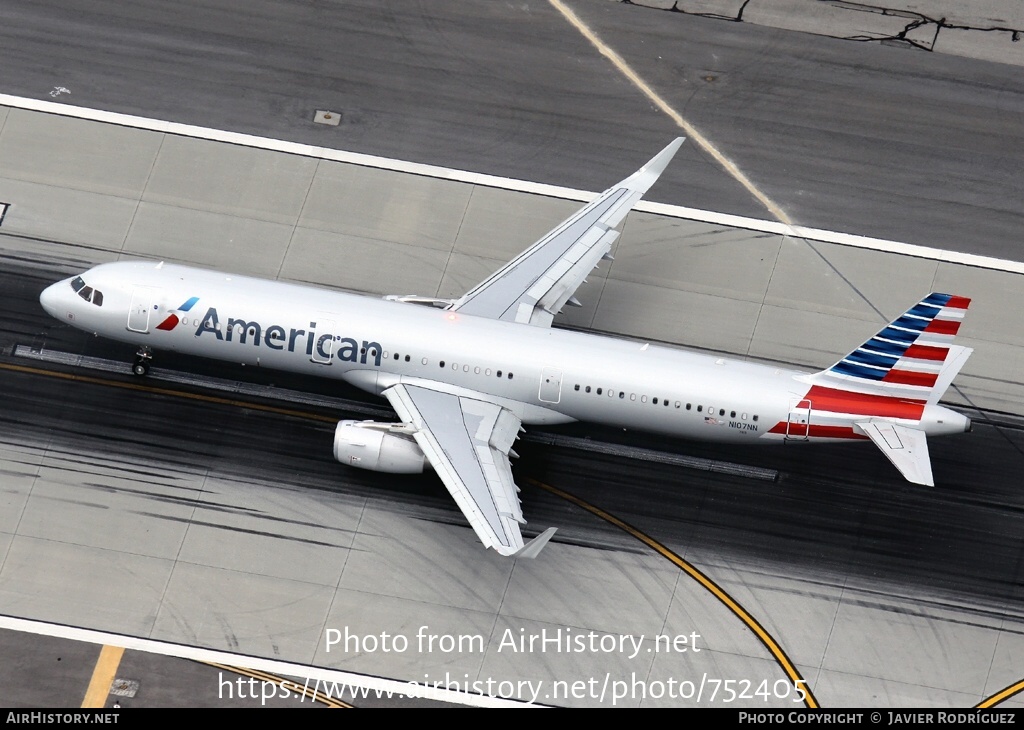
(142, 359)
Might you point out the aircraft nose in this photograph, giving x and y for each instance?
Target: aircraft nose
(50, 299)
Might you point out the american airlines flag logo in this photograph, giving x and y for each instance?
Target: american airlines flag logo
(713, 421)
(172, 319)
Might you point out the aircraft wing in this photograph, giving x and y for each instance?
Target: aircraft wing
(533, 287)
(467, 441)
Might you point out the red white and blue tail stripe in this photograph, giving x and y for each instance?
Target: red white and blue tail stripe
(887, 390)
(906, 358)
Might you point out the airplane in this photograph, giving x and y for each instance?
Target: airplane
(466, 375)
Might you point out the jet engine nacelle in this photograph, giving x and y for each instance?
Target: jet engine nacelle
(369, 445)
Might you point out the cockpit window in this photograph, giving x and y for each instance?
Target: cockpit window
(87, 292)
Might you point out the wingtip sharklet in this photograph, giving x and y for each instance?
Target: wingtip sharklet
(642, 180)
(532, 549)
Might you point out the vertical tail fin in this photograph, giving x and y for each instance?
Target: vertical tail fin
(912, 357)
(888, 388)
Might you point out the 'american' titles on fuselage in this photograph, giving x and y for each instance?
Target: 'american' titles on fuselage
(306, 329)
(277, 337)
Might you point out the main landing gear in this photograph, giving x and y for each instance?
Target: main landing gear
(142, 359)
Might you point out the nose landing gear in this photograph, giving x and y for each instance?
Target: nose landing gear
(142, 359)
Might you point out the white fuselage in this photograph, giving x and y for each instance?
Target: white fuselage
(543, 375)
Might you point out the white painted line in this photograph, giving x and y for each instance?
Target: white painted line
(504, 183)
(839, 239)
(273, 666)
(275, 145)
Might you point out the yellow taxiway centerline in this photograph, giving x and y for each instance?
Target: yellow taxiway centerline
(103, 676)
(1001, 696)
(717, 591)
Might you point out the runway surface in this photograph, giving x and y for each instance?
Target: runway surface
(875, 140)
(226, 524)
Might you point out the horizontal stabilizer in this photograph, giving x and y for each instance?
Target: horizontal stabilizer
(532, 549)
(906, 448)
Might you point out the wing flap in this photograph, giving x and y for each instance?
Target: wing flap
(467, 441)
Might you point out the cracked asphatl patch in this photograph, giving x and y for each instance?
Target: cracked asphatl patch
(919, 31)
